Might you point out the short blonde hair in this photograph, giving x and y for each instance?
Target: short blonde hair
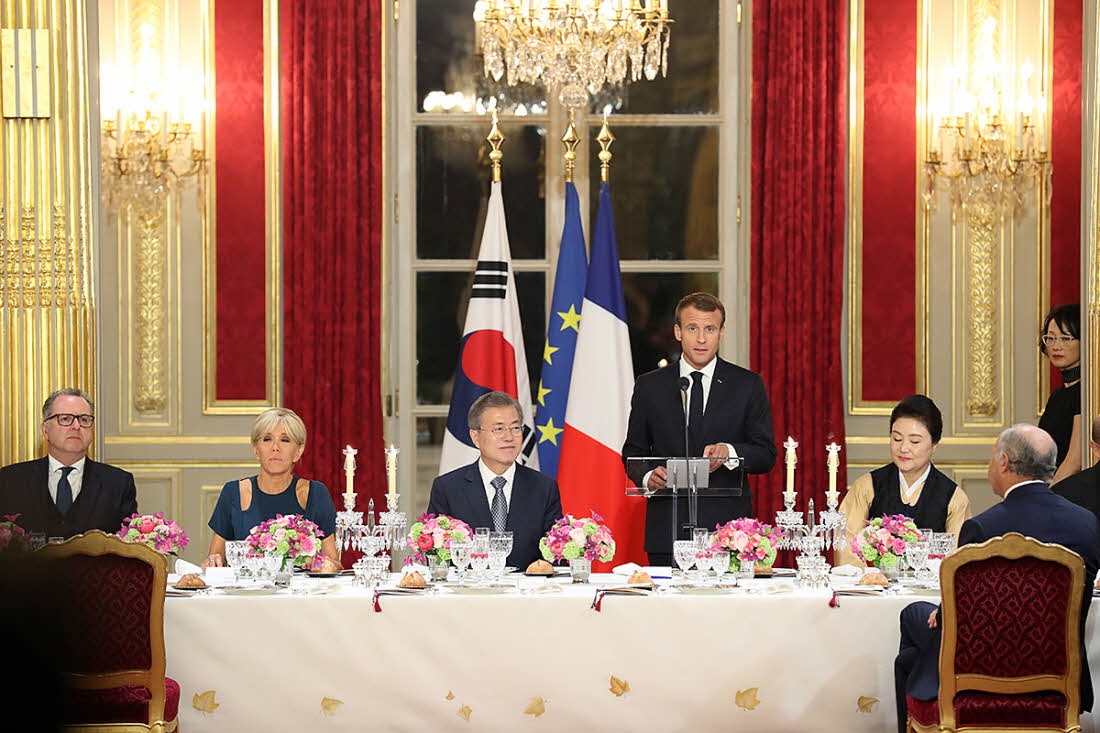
(268, 420)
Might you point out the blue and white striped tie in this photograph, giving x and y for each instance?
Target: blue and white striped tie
(500, 504)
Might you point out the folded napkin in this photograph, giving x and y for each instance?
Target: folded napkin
(846, 571)
(778, 588)
(183, 567)
(655, 571)
(218, 577)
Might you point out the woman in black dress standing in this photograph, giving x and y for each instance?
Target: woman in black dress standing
(1060, 342)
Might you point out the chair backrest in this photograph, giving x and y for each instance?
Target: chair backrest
(113, 591)
(1011, 621)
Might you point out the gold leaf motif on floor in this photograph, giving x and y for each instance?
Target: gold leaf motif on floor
(536, 708)
(619, 687)
(329, 705)
(204, 702)
(450, 695)
(464, 713)
(747, 699)
(866, 704)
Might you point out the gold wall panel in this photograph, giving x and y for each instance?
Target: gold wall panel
(1090, 230)
(47, 225)
(25, 68)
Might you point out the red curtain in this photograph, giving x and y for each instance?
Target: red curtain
(798, 164)
(331, 59)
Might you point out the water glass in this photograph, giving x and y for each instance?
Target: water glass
(377, 569)
(941, 545)
(684, 553)
(497, 560)
(460, 554)
(720, 561)
(482, 532)
(299, 585)
(235, 552)
(580, 569)
(746, 571)
(506, 538)
(272, 562)
(916, 554)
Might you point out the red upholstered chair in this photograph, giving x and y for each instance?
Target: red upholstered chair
(115, 653)
(1010, 655)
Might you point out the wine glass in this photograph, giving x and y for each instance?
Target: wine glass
(941, 545)
(497, 559)
(499, 543)
(916, 554)
(479, 556)
(684, 553)
(460, 554)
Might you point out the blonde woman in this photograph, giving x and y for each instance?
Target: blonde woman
(278, 440)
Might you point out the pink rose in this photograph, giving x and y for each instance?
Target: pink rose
(147, 526)
(740, 540)
(308, 546)
(899, 546)
(425, 541)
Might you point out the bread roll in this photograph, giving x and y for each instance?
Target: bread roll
(540, 567)
(412, 580)
(190, 581)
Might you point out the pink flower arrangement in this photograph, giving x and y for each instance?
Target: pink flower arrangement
(293, 536)
(163, 535)
(433, 534)
(13, 538)
(748, 540)
(571, 538)
(882, 542)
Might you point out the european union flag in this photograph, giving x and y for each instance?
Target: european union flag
(561, 336)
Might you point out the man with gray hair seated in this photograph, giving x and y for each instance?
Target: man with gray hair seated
(1020, 469)
(65, 493)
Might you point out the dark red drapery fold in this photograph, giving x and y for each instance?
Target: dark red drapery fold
(331, 92)
(798, 164)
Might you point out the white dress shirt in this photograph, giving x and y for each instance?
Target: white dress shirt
(1013, 486)
(487, 476)
(76, 477)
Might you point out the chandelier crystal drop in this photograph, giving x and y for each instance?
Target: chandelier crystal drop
(575, 46)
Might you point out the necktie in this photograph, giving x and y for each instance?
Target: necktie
(695, 416)
(500, 504)
(65, 491)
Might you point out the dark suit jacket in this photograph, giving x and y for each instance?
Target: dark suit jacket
(107, 496)
(1083, 489)
(535, 506)
(737, 412)
(1034, 511)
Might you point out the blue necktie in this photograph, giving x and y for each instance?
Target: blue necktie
(65, 491)
(500, 504)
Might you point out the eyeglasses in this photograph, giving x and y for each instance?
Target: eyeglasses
(1060, 340)
(64, 419)
(500, 431)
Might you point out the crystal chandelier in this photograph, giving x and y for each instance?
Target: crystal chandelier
(988, 153)
(146, 158)
(575, 46)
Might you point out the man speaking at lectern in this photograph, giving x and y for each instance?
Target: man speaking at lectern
(728, 415)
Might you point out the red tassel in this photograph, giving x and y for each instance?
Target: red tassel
(597, 602)
(377, 604)
(834, 602)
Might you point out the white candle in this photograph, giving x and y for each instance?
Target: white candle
(791, 459)
(391, 469)
(349, 472)
(833, 463)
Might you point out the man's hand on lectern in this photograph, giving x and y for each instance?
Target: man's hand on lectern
(658, 478)
(718, 453)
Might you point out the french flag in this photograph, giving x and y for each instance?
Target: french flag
(491, 357)
(590, 472)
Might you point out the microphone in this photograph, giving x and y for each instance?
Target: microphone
(685, 383)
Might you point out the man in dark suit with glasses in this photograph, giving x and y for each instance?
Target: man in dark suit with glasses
(494, 491)
(66, 493)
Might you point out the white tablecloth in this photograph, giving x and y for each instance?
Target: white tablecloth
(331, 662)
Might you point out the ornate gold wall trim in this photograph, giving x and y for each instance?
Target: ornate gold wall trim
(982, 332)
(946, 440)
(274, 238)
(856, 404)
(1090, 229)
(149, 390)
(177, 439)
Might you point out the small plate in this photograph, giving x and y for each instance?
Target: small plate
(777, 573)
(236, 590)
(555, 574)
(172, 589)
(479, 590)
(705, 590)
(322, 575)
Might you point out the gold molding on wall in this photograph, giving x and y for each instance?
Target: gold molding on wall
(273, 207)
(856, 404)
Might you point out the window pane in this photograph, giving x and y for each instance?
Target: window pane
(452, 188)
(651, 300)
(664, 191)
(429, 448)
(691, 86)
(448, 61)
(441, 299)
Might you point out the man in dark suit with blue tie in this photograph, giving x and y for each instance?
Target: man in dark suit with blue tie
(1022, 464)
(66, 493)
(494, 491)
(728, 415)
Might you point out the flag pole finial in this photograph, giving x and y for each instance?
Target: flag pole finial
(605, 138)
(571, 140)
(495, 138)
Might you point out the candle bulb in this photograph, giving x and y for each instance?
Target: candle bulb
(834, 465)
(349, 473)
